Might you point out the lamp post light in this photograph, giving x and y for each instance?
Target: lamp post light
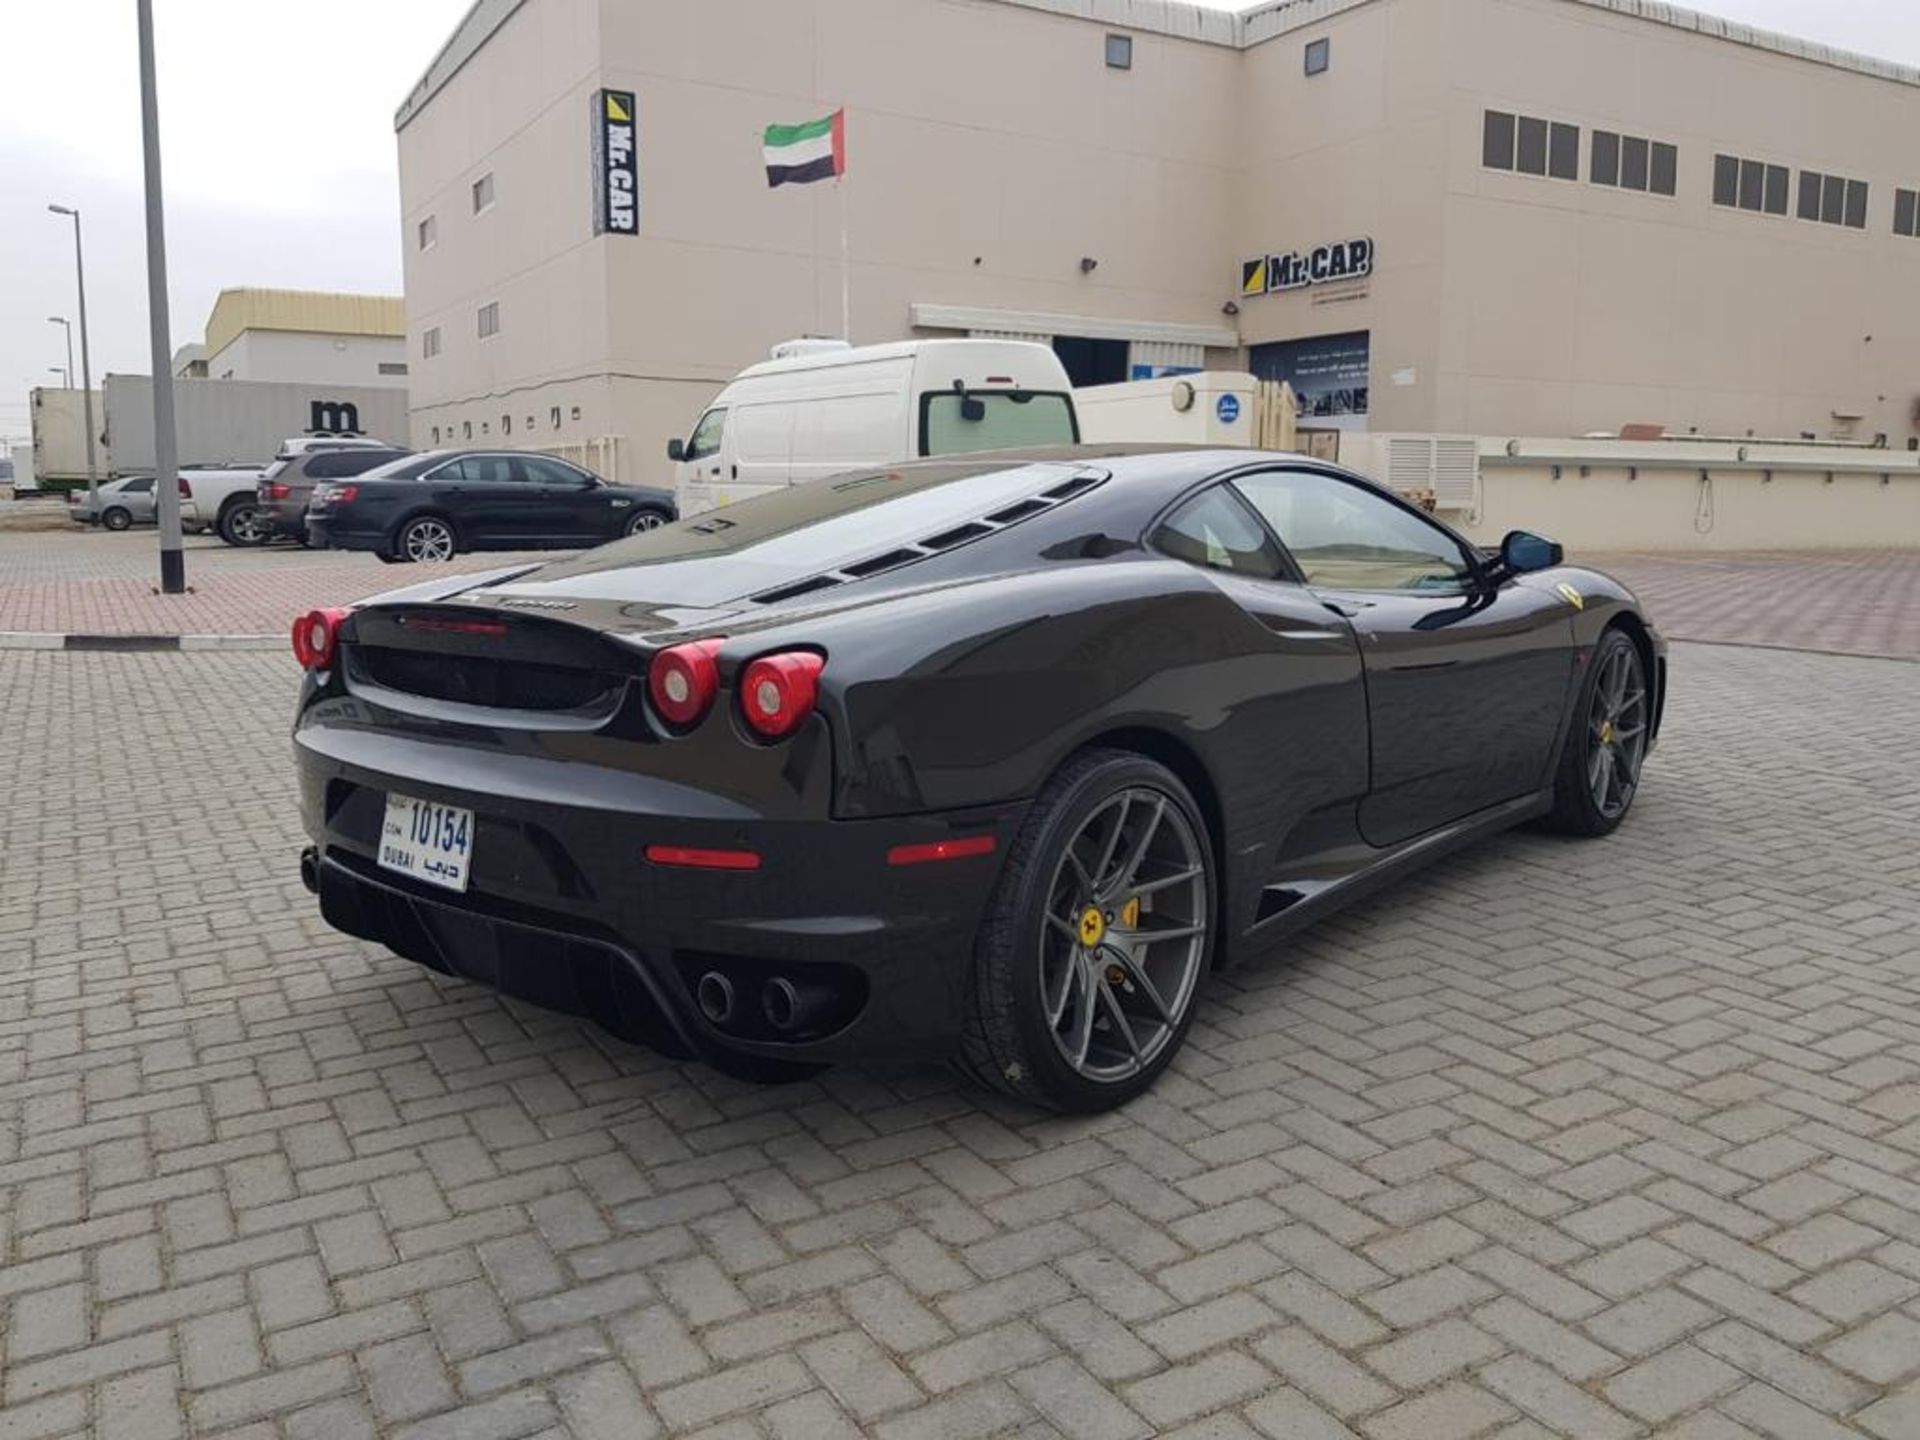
(86, 362)
(64, 324)
(66, 376)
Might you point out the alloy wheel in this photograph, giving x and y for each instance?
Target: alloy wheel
(246, 525)
(1123, 939)
(645, 520)
(428, 540)
(1617, 732)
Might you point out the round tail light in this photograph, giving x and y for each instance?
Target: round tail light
(778, 692)
(316, 637)
(683, 681)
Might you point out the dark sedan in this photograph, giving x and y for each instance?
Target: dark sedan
(997, 760)
(287, 487)
(436, 505)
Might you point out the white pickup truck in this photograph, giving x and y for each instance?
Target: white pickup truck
(222, 499)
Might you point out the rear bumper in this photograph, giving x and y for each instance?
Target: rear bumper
(564, 910)
(326, 533)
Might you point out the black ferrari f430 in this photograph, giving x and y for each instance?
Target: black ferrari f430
(994, 759)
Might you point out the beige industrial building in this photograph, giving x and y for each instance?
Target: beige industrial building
(309, 336)
(1492, 217)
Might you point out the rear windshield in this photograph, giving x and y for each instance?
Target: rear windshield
(955, 424)
(336, 464)
(410, 468)
(806, 530)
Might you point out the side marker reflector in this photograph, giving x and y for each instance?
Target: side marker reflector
(962, 849)
(693, 859)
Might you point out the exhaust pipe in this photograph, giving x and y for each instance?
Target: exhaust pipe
(715, 996)
(790, 1007)
(310, 870)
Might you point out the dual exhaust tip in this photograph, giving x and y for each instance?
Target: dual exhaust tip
(787, 1006)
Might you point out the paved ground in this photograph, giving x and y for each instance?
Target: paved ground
(94, 582)
(1587, 1140)
(1842, 602)
(1865, 603)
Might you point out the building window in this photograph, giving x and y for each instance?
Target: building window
(483, 192)
(1119, 52)
(1906, 212)
(489, 319)
(1833, 200)
(430, 343)
(429, 232)
(553, 417)
(1530, 146)
(393, 367)
(436, 434)
(1319, 56)
(1749, 185)
(466, 429)
(1631, 163)
(506, 424)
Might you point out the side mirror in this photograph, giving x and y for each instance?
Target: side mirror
(676, 449)
(1523, 551)
(972, 409)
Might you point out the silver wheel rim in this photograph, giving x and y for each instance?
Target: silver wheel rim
(1124, 935)
(429, 540)
(645, 520)
(246, 526)
(1616, 732)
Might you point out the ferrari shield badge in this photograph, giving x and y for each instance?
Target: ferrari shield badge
(1572, 596)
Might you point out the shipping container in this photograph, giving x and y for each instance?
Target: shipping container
(226, 422)
(60, 436)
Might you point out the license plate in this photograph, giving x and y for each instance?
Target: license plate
(428, 841)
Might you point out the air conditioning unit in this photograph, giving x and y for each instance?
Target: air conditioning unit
(1440, 470)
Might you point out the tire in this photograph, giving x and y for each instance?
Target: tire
(648, 519)
(242, 524)
(117, 517)
(426, 539)
(1606, 746)
(1044, 1016)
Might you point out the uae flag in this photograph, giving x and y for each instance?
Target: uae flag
(799, 154)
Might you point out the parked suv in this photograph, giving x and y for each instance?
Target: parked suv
(288, 483)
(435, 505)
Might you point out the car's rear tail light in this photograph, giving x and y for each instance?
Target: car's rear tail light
(275, 490)
(778, 692)
(491, 628)
(186, 490)
(690, 858)
(342, 494)
(316, 638)
(683, 681)
(961, 849)
(73, 497)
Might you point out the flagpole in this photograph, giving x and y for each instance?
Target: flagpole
(846, 267)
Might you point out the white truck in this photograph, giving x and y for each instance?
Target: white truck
(820, 407)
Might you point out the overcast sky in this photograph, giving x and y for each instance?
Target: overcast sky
(277, 118)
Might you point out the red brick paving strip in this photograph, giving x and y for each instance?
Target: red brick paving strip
(1864, 602)
(255, 601)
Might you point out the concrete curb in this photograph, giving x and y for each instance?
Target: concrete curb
(125, 644)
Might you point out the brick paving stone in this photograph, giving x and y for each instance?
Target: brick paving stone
(1552, 1139)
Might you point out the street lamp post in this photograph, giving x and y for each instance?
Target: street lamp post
(86, 363)
(66, 376)
(64, 324)
(166, 459)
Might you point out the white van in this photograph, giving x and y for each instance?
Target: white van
(822, 407)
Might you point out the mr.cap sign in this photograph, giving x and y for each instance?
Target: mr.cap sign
(616, 168)
(1272, 274)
